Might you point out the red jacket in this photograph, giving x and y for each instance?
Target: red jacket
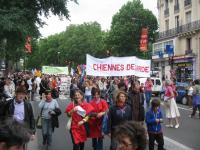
(95, 124)
(78, 132)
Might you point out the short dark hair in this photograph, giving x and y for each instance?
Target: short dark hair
(47, 92)
(155, 103)
(134, 131)
(13, 133)
(95, 90)
(21, 89)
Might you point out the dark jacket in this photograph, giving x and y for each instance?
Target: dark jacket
(136, 101)
(152, 125)
(28, 113)
(117, 116)
(54, 118)
(43, 86)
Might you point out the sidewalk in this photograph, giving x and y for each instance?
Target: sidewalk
(174, 145)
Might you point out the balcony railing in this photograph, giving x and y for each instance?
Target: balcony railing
(166, 12)
(176, 8)
(187, 2)
(179, 30)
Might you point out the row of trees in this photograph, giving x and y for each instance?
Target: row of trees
(22, 18)
(77, 40)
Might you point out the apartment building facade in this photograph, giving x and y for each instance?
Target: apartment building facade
(176, 52)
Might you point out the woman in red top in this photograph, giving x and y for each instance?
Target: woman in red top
(95, 123)
(78, 130)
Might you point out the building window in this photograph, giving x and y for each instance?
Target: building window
(158, 48)
(161, 47)
(167, 24)
(176, 2)
(166, 4)
(188, 42)
(188, 17)
(187, 2)
(177, 21)
(168, 43)
(176, 6)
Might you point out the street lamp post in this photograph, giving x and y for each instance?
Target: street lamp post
(58, 57)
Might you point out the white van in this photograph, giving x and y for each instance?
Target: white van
(157, 84)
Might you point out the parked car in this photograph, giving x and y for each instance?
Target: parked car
(181, 89)
(182, 95)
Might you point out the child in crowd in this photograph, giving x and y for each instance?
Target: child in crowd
(154, 119)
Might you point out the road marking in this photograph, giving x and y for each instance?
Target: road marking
(188, 109)
(177, 144)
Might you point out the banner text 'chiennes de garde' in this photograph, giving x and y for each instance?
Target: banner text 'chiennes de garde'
(117, 66)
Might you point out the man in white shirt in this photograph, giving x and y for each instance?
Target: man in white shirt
(21, 110)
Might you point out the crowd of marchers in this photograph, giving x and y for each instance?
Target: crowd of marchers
(118, 107)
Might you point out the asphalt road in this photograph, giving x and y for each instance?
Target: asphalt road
(184, 138)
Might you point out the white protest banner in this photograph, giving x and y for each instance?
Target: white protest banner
(53, 70)
(117, 66)
(65, 84)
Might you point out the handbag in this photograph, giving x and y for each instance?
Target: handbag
(69, 122)
(105, 128)
(39, 120)
(166, 101)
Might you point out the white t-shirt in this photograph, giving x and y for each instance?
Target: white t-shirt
(190, 91)
(29, 82)
(88, 91)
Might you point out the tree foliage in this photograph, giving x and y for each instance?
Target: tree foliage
(124, 35)
(20, 18)
(71, 45)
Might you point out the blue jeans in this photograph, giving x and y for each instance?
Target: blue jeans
(97, 143)
(88, 98)
(47, 131)
(148, 95)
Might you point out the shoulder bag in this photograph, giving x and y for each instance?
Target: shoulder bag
(39, 119)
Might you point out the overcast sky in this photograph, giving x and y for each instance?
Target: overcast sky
(89, 11)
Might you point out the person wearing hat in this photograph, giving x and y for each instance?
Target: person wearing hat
(21, 110)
